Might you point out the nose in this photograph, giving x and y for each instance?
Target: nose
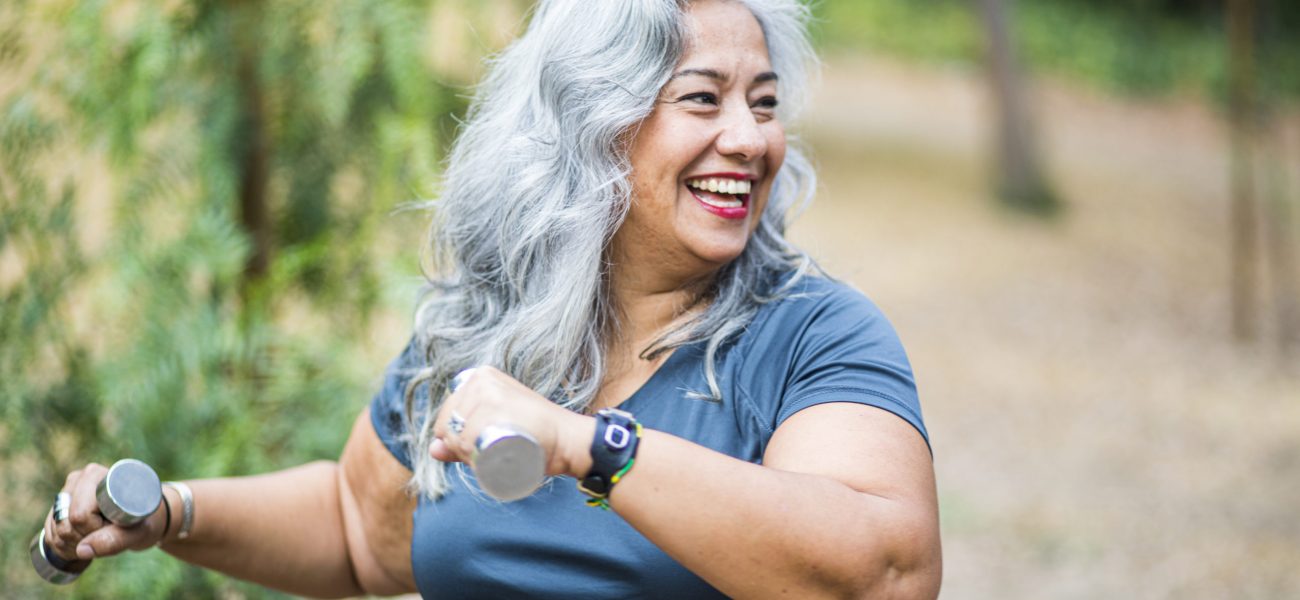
(740, 137)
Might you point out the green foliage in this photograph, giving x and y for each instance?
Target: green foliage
(1131, 46)
(129, 325)
(932, 30)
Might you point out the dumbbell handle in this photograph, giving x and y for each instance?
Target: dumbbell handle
(128, 494)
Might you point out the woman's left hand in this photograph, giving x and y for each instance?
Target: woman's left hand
(486, 396)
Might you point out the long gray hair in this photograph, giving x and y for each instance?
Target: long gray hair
(536, 186)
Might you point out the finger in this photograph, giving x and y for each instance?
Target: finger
(465, 442)
(439, 450)
(61, 535)
(83, 513)
(113, 540)
(440, 421)
(455, 447)
(66, 550)
(454, 389)
(459, 380)
(70, 481)
(458, 407)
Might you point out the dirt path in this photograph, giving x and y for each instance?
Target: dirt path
(1096, 434)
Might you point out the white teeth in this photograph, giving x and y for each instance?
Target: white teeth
(721, 186)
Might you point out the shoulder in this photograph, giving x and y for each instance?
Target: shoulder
(388, 409)
(818, 306)
(822, 341)
(823, 294)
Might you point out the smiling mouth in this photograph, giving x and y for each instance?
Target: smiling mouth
(727, 196)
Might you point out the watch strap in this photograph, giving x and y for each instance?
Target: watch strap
(613, 450)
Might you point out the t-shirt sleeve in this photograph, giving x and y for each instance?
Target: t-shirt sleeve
(846, 351)
(388, 408)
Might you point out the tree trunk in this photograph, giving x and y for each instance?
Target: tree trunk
(1020, 181)
(1241, 115)
(250, 143)
(1280, 241)
(1278, 196)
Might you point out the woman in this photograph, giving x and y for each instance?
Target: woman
(611, 235)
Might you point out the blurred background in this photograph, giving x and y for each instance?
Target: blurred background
(1081, 215)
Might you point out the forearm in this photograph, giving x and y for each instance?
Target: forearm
(844, 506)
(283, 530)
(757, 531)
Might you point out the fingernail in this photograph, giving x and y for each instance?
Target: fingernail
(85, 552)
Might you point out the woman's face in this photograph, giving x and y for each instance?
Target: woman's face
(704, 160)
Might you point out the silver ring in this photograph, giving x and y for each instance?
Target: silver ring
(459, 380)
(62, 502)
(456, 423)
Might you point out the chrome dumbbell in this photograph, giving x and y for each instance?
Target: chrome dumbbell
(127, 496)
(508, 462)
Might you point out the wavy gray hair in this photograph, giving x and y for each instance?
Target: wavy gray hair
(536, 186)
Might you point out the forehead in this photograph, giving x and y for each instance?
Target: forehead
(724, 35)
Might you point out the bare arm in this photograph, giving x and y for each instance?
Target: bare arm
(323, 529)
(377, 512)
(844, 506)
(284, 530)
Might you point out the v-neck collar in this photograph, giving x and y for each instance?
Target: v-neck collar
(656, 378)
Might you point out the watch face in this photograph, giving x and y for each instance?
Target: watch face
(617, 436)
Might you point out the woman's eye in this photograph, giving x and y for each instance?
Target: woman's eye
(701, 97)
(767, 102)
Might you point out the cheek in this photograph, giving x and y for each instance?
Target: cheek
(775, 148)
(652, 168)
(775, 157)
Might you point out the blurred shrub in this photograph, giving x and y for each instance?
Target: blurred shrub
(1133, 46)
(932, 30)
(130, 326)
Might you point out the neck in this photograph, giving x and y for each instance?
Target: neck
(652, 291)
(648, 298)
(647, 307)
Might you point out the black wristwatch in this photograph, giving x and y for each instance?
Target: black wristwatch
(613, 450)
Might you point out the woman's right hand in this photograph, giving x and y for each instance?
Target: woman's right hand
(86, 534)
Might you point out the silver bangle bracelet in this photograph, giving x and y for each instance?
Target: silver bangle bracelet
(187, 507)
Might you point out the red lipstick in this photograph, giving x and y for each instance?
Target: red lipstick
(726, 212)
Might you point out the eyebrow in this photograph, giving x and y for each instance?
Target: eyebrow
(714, 74)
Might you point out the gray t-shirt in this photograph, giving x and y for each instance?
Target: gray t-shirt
(825, 343)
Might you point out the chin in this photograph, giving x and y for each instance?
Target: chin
(720, 255)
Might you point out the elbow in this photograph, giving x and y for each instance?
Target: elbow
(875, 575)
(910, 570)
(910, 579)
(904, 562)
